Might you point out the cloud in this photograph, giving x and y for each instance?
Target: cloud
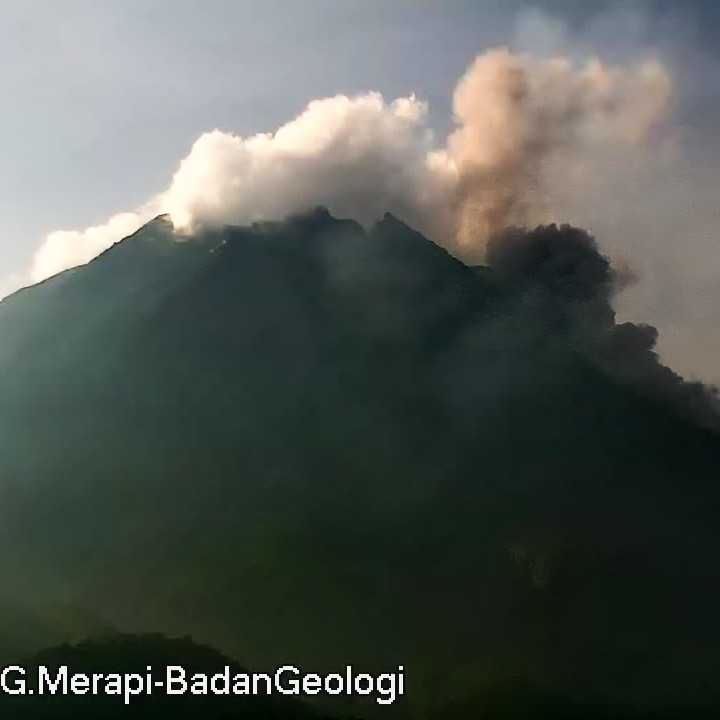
(64, 249)
(358, 156)
(531, 131)
(537, 139)
(518, 118)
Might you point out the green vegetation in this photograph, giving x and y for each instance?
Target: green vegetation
(305, 442)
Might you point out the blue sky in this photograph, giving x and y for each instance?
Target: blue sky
(102, 99)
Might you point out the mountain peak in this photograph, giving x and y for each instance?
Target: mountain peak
(278, 404)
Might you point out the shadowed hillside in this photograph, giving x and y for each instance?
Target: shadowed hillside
(306, 441)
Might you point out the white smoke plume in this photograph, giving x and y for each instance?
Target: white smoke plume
(64, 249)
(522, 124)
(358, 156)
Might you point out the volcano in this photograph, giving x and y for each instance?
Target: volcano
(309, 441)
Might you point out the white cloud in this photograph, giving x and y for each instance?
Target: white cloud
(64, 249)
(362, 156)
(535, 140)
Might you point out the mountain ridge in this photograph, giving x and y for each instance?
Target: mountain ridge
(304, 438)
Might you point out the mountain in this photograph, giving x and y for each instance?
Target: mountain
(304, 440)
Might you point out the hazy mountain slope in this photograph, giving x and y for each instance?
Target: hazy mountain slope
(303, 440)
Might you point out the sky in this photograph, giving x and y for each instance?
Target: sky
(103, 100)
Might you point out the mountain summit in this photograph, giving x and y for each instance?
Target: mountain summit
(307, 441)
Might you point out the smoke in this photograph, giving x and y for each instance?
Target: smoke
(537, 139)
(567, 285)
(530, 131)
(359, 157)
(519, 122)
(64, 249)
(521, 125)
